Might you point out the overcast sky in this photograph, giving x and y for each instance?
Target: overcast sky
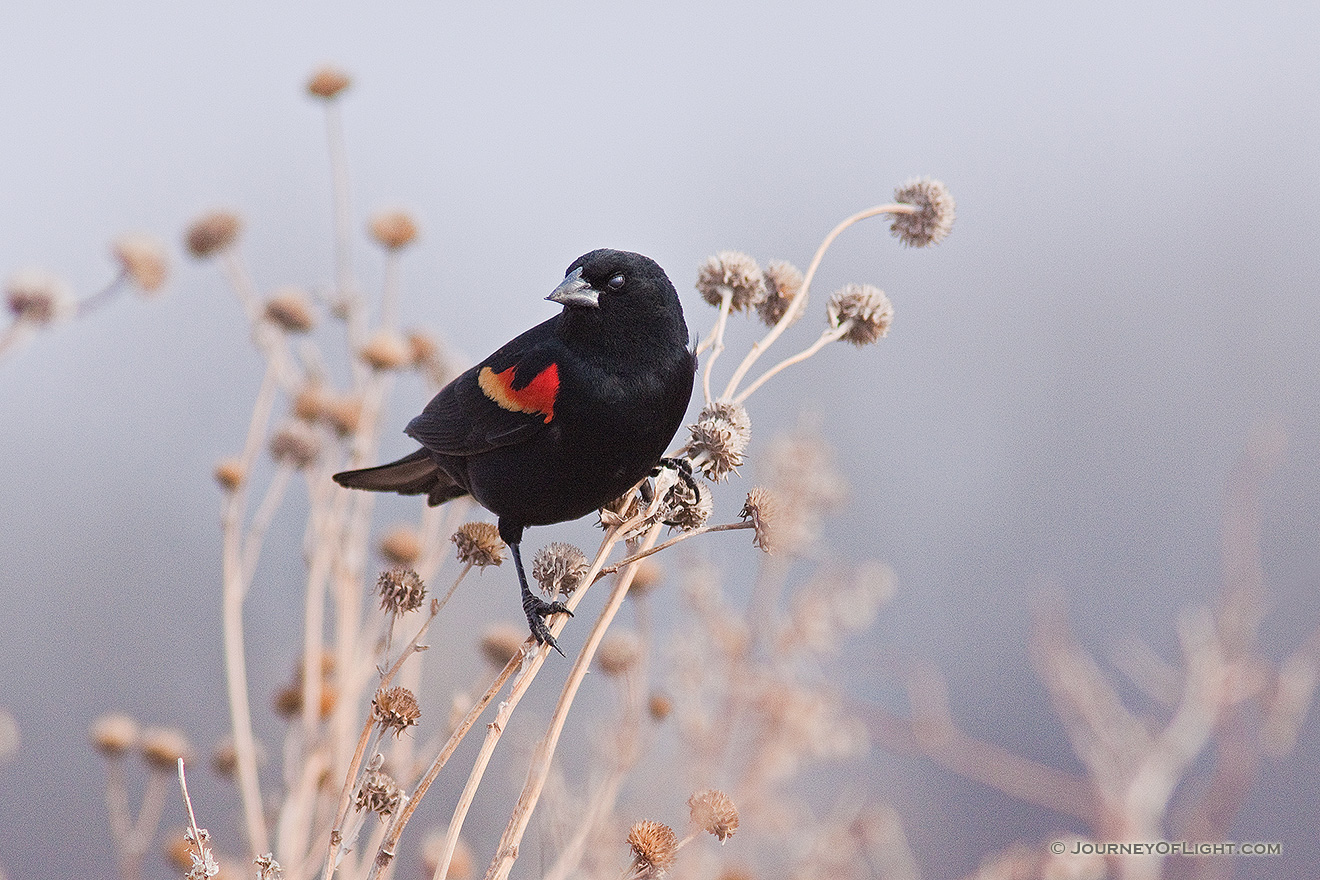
(1128, 293)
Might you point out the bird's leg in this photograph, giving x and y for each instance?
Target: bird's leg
(536, 608)
(684, 469)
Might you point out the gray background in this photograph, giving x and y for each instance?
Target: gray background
(1128, 292)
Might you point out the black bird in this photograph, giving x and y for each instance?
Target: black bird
(562, 419)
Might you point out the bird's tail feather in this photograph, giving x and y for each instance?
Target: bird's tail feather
(415, 474)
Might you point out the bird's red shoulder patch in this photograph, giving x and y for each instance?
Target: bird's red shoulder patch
(537, 396)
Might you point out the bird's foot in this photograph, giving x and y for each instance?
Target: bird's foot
(537, 610)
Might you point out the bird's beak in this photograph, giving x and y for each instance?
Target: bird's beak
(573, 291)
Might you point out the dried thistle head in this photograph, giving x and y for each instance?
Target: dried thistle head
(646, 577)
(460, 863)
(267, 867)
(327, 82)
(401, 545)
(501, 642)
(38, 297)
(212, 232)
(559, 568)
(290, 309)
(296, 444)
(660, 705)
(178, 851)
(395, 709)
(685, 509)
(934, 217)
(479, 543)
(619, 653)
(162, 747)
(864, 310)
(760, 510)
(379, 793)
(343, 413)
(386, 351)
(142, 258)
(735, 274)
(114, 734)
(783, 280)
(393, 230)
(401, 590)
(229, 474)
(713, 811)
(654, 846)
(719, 439)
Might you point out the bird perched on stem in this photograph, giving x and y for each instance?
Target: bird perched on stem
(564, 418)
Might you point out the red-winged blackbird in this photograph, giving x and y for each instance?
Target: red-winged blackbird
(563, 419)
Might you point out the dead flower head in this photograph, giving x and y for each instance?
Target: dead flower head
(401, 590)
(783, 280)
(713, 812)
(735, 274)
(343, 413)
(379, 793)
(162, 747)
(654, 846)
(500, 642)
(684, 509)
(295, 443)
(559, 568)
(395, 709)
(38, 297)
(479, 543)
(212, 233)
(114, 734)
(328, 81)
(865, 310)
(719, 439)
(760, 511)
(290, 309)
(393, 230)
(460, 863)
(659, 705)
(934, 217)
(401, 545)
(267, 867)
(142, 258)
(229, 474)
(619, 653)
(386, 351)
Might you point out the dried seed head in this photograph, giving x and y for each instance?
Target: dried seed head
(760, 510)
(229, 474)
(328, 81)
(500, 642)
(865, 309)
(401, 590)
(735, 273)
(619, 653)
(114, 734)
(142, 257)
(654, 846)
(685, 510)
(290, 309)
(647, 577)
(162, 747)
(213, 232)
(782, 283)
(934, 217)
(38, 297)
(268, 868)
(386, 351)
(713, 812)
(343, 413)
(401, 545)
(424, 346)
(479, 543)
(224, 759)
(659, 705)
(296, 444)
(178, 851)
(719, 439)
(379, 793)
(395, 709)
(310, 403)
(559, 568)
(460, 863)
(393, 230)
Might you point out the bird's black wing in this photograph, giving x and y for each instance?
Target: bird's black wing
(507, 399)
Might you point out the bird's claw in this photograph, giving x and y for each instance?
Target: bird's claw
(683, 468)
(537, 610)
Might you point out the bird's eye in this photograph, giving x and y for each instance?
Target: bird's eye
(616, 282)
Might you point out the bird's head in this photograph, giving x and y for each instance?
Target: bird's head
(608, 292)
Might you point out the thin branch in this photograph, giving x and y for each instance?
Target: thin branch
(825, 339)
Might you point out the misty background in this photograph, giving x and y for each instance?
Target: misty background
(1127, 295)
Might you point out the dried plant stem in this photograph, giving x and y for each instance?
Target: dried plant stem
(679, 538)
(343, 222)
(256, 532)
(116, 799)
(187, 802)
(389, 297)
(350, 780)
(716, 340)
(832, 335)
(507, 851)
(104, 295)
(790, 313)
